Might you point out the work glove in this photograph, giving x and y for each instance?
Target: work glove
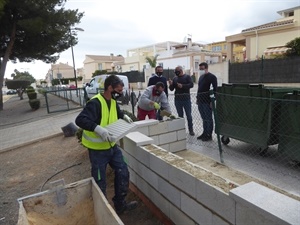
(156, 105)
(103, 133)
(127, 119)
(172, 117)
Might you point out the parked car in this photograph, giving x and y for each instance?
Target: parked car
(72, 86)
(11, 92)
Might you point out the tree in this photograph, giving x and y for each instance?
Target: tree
(152, 60)
(35, 30)
(294, 47)
(19, 85)
(23, 76)
(99, 72)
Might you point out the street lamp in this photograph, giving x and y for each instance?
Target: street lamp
(79, 29)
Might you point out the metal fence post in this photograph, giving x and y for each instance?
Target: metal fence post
(213, 101)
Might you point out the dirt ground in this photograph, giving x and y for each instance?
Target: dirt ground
(30, 169)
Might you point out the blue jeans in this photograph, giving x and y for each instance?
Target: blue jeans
(206, 115)
(187, 106)
(114, 157)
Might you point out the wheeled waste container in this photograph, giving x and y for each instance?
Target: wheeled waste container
(249, 113)
(289, 140)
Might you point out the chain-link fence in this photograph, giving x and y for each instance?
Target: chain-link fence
(260, 126)
(256, 125)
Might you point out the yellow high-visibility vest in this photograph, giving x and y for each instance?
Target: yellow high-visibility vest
(92, 140)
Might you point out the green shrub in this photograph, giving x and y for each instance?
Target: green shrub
(32, 95)
(30, 89)
(42, 91)
(34, 104)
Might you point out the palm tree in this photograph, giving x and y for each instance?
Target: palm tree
(152, 60)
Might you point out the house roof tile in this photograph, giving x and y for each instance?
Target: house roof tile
(270, 25)
(106, 58)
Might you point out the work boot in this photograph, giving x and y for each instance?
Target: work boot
(200, 137)
(127, 207)
(192, 133)
(206, 137)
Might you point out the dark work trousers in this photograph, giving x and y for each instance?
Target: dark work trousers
(187, 106)
(114, 157)
(206, 115)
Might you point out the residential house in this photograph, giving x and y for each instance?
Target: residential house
(266, 40)
(100, 62)
(59, 71)
(170, 54)
(221, 47)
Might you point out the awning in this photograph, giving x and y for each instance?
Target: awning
(275, 51)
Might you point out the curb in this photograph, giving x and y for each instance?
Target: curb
(29, 142)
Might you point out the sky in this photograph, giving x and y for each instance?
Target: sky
(116, 26)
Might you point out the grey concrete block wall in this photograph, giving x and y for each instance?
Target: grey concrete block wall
(187, 200)
(171, 134)
(265, 205)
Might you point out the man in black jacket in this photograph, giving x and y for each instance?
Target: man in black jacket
(206, 80)
(182, 84)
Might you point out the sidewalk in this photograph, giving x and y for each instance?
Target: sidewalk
(17, 130)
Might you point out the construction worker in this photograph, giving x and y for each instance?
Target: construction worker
(151, 100)
(99, 112)
(158, 77)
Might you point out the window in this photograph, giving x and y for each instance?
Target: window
(225, 46)
(92, 82)
(197, 65)
(100, 66)
(59, 75)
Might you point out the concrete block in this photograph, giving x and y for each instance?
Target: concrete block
(148, 175)
(143, 123)
(143, 156)
(132, 176)
(143, 185)
(160, 128)
(159, 166)
(181, 135)
(272, 205)
(195, 210)
(167, 138)
(155, 139)
(176, 124)
(183, 180)
(178, 217)
(143, 130)
(171, 193)
(139, 138)
(178, 146)
(129, 146)
(132, 162)
(165, 146)
(216, 200)
(160, 201)
(246, 216)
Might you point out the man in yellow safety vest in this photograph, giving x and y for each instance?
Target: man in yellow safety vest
(99, 112)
